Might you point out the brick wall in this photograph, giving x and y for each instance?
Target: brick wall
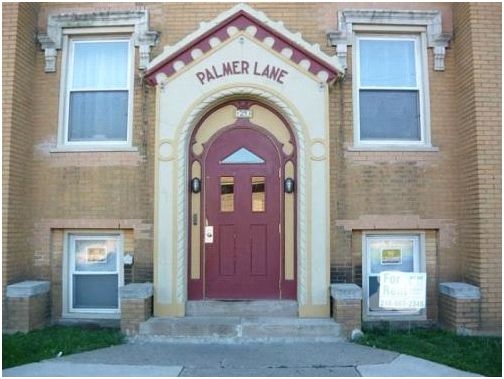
(28, 313)
(18, 53)
(460, 316)
(477, 46)
(379, 189)
(88, 191)
(115, 190)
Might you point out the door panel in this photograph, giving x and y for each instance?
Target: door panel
(227, 250)
(243, 203)
(258, 250)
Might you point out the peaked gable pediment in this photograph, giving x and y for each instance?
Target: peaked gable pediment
(256, 25)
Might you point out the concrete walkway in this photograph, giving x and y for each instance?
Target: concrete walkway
(146, 359)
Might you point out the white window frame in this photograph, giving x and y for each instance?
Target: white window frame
(422, 86)
(69, 37)
(68, 271)
(418, 266)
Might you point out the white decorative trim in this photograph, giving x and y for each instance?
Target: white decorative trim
(279, 27)
(431, 20)
(182, 179)
(52, 40)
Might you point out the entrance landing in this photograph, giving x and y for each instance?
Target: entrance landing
(240, 322)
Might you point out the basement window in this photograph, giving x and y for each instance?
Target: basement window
(391, 253)
(93, 275)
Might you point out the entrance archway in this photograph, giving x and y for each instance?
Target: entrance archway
(242, 243)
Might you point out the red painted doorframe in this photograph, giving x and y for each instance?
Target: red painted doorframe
(282, 289)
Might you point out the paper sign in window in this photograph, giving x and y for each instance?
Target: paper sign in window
(96, 254)
(391, 257)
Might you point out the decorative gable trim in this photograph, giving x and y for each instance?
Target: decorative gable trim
(244, 19)
(431, 20)
(52, 40)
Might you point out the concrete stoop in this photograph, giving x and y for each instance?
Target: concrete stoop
(239, 329)
(236, 322)
(249, 308)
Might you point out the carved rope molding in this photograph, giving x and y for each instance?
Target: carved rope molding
(182, 180)
(432, 20)
(52, 40)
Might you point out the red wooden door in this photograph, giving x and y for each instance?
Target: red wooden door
(242, 204)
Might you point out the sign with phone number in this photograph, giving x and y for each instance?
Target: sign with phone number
(402, 290)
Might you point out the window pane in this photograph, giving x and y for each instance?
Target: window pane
(389, 115)
(98, 116)
(95, 291)
(389, 63)
(242, 156)
(100, 65)
(96, 255)
(258, 194)
(227, 193)
(391, 255)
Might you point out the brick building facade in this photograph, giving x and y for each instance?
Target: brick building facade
(375, 189)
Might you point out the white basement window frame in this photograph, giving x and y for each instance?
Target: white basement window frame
(392, 89)
(412, 246)
(75, 85)
(88, 256)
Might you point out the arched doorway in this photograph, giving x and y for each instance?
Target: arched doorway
(245, 234)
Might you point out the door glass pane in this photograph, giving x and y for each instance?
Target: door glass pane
(242, 156)
(95, 291)
(258, 194)
(227, 193)
(96, 255)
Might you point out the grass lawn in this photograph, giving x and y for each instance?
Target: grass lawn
(22, 348)
(481, 355)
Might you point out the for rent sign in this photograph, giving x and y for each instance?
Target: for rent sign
(402, 290)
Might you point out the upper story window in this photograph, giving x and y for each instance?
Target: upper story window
(390, 69)
(390, 90)
(98, 92)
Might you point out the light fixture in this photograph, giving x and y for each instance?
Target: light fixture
(196, 185)
(289, 185)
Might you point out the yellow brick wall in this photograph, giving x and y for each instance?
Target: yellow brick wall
(477, 45)
(18, 53)
(46, 192)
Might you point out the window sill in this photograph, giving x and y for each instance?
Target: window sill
(391, 316)
(90, 149)
(394, 148)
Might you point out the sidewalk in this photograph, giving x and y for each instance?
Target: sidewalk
(149, 359)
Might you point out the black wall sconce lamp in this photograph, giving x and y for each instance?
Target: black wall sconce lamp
(195, 185)
(289, 185)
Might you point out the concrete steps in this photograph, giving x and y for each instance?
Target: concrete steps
(238, 329)
(237, 322)
(249, 308)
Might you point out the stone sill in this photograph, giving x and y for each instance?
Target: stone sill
(393, 148)
(94, 149)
